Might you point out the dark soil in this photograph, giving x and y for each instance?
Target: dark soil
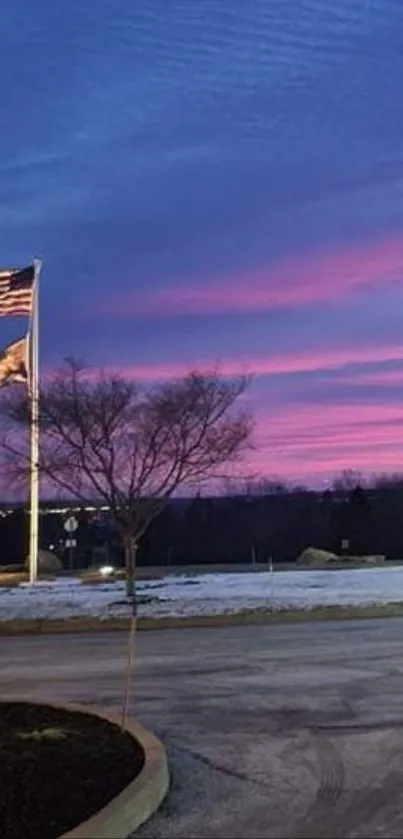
(58, 768)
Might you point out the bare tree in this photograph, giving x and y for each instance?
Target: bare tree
(257, 486)
(103, 437)
(347, 480)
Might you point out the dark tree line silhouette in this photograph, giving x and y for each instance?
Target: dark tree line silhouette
(251, 525)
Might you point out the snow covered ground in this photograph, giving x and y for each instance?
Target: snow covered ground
(209, 594)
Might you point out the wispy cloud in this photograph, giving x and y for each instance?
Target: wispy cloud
(271, 365)
(311, 431)
(315, 442)
(311, 278)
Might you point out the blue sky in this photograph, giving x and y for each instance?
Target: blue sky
(218, 181)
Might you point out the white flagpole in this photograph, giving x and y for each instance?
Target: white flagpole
(34, 428)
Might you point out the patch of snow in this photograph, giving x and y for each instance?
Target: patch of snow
(209, 594)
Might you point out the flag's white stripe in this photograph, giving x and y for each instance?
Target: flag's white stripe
(22, 307)
(15, 301)
(11, 300)
(15, 295)
(25, 307)
(20, 292)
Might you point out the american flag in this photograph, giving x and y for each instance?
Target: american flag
(16, 291)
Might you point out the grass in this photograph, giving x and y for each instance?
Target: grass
(257, 617)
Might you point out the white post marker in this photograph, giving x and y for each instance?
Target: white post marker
(70, 526)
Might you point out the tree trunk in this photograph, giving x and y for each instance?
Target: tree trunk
(130, 563)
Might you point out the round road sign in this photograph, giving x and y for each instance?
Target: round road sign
(71, 524)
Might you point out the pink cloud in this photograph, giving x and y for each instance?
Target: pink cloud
(304, 361)
(311, 278)
(369, 378)
(314, 441)
(318, 441)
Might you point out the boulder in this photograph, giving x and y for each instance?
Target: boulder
(48, 562)
(370, 559)
(316, 556)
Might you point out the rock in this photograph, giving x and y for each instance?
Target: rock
(375, 559)
(370, 559)
(48, 562)
(316, 556)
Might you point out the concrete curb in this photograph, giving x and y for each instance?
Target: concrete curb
(139, 800)
(81, 625)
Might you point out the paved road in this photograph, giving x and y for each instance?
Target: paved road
(273, 731)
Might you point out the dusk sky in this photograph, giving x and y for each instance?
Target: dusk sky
(218, 182)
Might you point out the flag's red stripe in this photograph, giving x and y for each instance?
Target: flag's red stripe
(24, 301)
(16, 311)
(16, 302)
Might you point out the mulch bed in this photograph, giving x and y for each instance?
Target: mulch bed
(57, 768)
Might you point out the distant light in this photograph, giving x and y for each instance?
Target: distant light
(51, 547)
(106, 570)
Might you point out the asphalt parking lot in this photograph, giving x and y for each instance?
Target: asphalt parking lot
(272, 731)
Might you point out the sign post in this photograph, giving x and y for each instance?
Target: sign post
(70, 526)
